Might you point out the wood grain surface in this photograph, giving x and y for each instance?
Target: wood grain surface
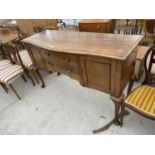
(115, 46)
(6, 37)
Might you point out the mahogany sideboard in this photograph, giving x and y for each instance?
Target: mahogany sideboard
(97, 25)
(100, 61)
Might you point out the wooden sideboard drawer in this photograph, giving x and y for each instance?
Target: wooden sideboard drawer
(63, 68)
(97, 25)
(62, 59)
(72, 71)
(93, 27)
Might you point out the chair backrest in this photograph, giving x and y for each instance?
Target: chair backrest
(149, 66)
(149, 31)
(149, 26)
(37, 29)
(19, 44)
(131, 26)
(12, 53)
(29, 24)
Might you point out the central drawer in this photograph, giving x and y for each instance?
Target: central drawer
(64, 63)
(62, 59)
(71, 71)
(66, 69)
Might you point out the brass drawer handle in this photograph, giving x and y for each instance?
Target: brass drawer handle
(68, 70)
(67, 59)
(50, 63)
(98, 26)
(46, 53)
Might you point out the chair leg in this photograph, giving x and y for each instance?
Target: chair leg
(4, 87)
(43, 84)
(30, 77)
(13, 89)
(24, 78)
(34, 74)
(122, 114)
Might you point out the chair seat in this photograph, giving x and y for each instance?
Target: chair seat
(8, 74)
(27, 62)
(4, 64)
(143, 100)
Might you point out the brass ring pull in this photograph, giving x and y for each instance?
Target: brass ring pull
(50, 63)
(68, 70)
(98, 26)
(67, 59)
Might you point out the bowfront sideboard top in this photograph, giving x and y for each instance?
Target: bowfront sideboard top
(114, 46)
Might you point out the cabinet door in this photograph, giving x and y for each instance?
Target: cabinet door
(98, 73)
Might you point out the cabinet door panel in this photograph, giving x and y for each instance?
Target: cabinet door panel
(98, 75)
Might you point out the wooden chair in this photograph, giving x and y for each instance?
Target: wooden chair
(11, 53)
(128, 26)
(11, 72)
(142, 99)
(149, 31)
(149, 66)
(25, 61)
(38, 29)
(5, 63)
